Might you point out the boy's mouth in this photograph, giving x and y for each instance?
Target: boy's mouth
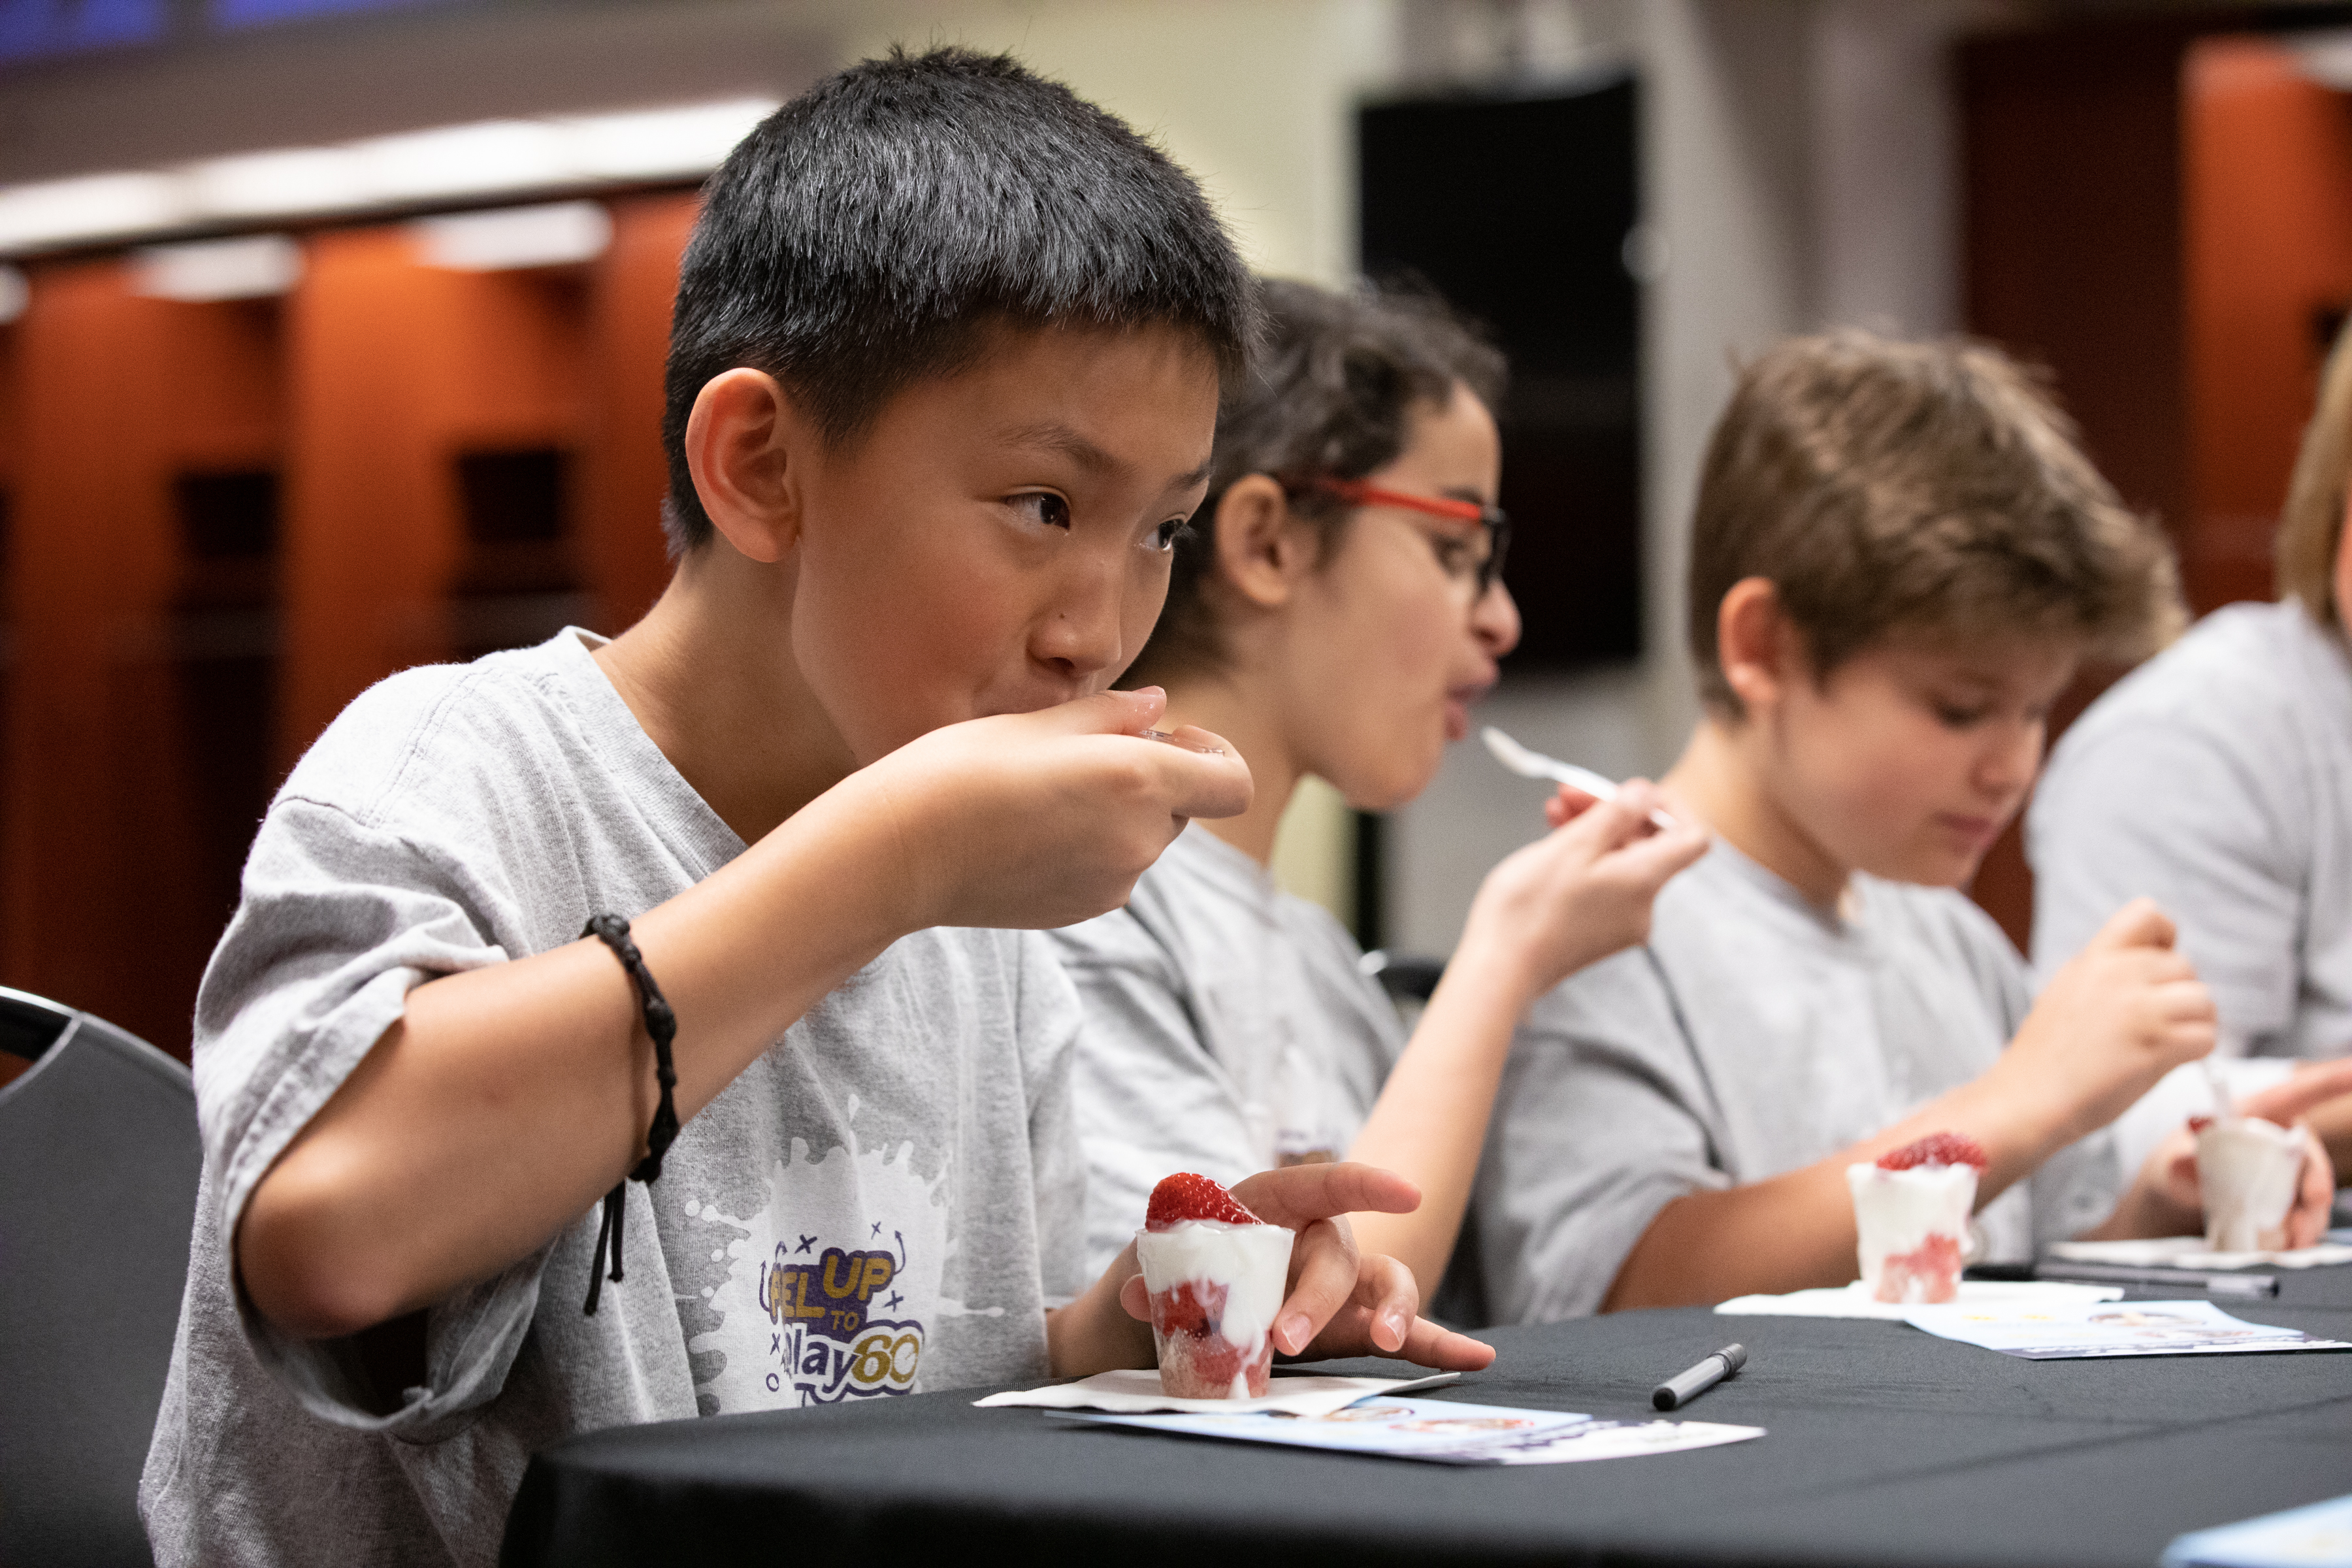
(1978, 832)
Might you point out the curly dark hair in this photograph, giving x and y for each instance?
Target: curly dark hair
(1332, 384)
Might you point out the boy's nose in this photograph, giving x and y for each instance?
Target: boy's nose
(2008, 765)
(1081, 636)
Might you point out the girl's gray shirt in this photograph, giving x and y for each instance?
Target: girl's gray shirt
(1754, 1035)
(2217, 779)
(1228, 1028)
(885, 1201)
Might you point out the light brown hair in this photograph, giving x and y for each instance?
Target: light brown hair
(2311, 524)
(1931, 488)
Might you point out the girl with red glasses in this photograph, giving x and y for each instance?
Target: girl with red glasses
(1335, 607)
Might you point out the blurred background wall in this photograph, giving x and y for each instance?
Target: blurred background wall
(331, 334)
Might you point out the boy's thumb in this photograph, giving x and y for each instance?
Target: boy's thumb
(1110, 713)
(2137, 924)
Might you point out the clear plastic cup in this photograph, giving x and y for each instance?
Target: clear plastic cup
(2248, 1169)
(1911, 1229)
(1215, 1288)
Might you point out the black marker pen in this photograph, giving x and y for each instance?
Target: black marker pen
(1685, 1386)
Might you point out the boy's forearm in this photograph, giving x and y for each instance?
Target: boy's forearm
(508, 1100)
(1431, 1119)
(1095, 1333)
(1796, 1231)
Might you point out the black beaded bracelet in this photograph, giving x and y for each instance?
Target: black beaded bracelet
(662, 1025)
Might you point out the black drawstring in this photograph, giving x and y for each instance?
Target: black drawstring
(661, 1023)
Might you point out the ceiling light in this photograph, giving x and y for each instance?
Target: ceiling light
(96, 206)
(270, 185)
(651, 143)
(558, 234)
(464, 160)
(253, 268)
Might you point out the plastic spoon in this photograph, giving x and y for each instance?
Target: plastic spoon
(1531, 764)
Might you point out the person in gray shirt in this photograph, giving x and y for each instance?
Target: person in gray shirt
(1335, 611)
(1897, 558)
(2217, 778)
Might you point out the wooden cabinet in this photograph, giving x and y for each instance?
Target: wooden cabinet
(225, 520)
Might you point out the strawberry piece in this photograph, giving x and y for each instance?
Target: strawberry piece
(1188, 1195)
(1181, 1309)
(1936, 1149)
(2198, 1124)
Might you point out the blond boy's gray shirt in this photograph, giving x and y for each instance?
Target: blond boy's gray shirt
(1227, 1029)
(2217, 779)
(885, 1201)
(1753, 1036)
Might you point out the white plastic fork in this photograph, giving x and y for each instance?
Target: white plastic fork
(1534, 764)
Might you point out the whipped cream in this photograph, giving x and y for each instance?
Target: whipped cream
(2248, 1169)
(1251, 1261)
(1895, 1213)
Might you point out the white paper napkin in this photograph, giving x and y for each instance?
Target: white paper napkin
(1137, 1392)
(1853, 1302)
(2188, 1252)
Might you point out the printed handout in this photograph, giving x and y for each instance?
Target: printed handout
(2075, 1329)
(1446, 1432)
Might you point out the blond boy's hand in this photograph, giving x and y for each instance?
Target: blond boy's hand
(2168, 1185)
(1341, 1303)
(1035, 820)
(1583, 891)
(2123, 1012)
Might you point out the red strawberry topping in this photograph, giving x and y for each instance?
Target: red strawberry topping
(1188, 1195)
(1936, 1149)
(2198, 1124)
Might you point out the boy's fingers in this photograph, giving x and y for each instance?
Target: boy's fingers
(1296, 1195)
(1136, 1297)
(1428, 1344)
(2282, 1102)
(1327, 1280)
(2317, 1202)
(2137, 924)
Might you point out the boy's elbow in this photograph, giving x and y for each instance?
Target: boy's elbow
(302, 1265)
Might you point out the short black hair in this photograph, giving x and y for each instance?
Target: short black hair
(1333, 381)
(871, 231)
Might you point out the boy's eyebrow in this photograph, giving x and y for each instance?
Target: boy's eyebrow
(1087, 455)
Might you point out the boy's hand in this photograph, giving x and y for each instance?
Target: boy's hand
(2123, 1012)
(2167, 1188)
(1341, 1303)
(1036, 820)
(1583, 891)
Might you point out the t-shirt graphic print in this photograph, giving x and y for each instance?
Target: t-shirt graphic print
(831, 1290)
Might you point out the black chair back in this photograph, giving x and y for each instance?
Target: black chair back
(98, 1159)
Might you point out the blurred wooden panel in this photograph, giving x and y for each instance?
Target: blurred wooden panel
(622, 561)
(2268, 198)
(122, 844)
(394, 371)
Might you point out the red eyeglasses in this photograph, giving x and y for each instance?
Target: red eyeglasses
(1497, 526)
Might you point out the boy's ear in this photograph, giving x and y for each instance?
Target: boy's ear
(741, 446)
(1262, 550)
(1756, 642)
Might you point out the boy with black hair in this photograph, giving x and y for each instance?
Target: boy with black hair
(1897, 558)
(944, 374)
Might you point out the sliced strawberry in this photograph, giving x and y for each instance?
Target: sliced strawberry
(1936, 1149)
(1188, 1195)
(1184, 1309)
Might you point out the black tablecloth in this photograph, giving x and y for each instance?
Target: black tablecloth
(1885, 1446)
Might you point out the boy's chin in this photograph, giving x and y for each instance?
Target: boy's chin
(1929, 868)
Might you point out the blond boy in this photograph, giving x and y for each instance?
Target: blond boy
(1897, 560)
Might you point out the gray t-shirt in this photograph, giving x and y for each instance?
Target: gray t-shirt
(1228, 1029)
(2217, 779)
(1753, 1036)
(885, 1201)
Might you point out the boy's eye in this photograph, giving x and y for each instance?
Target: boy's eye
(1043, 507)
(1164, 537)
(1959, 716)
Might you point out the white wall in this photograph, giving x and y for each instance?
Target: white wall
(1798, 171)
